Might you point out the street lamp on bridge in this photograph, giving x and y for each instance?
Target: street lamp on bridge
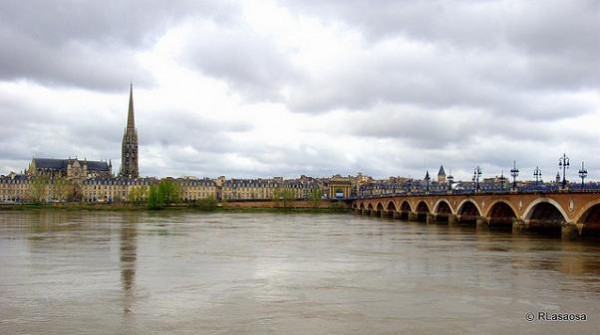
(502, 180)
(476, 175)
(564, 163)
(582, 174)
(537, 173)
(450, 181)
(514, 172)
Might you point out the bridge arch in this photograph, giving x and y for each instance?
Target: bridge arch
(362, 205)
(468, 211)
(378, 209)
(590, 219)
(442, 206)
(422, 210)
(545, 216)
(405, 210)
(529, 211)
(501, 214)
(390, 209)
(405, 206)
(442, 210)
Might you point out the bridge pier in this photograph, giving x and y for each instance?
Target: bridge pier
(481, 222)
(452, 220)
(430, 218)
(519, 226)
(404, 216)
(570, 231)
(396, 215)
(412, 216)
(441, 218)
(466, 220)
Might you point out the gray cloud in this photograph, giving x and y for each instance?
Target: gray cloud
(91, 45)
(496, 54)
(250, 63)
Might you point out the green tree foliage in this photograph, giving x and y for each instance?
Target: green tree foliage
(167, 192)
(206, 204)
(60, 189)
(316, 194)
(38, 189)
(154, 199)
(138, 194)
(283, 197)
(277, 197)
(170, 191)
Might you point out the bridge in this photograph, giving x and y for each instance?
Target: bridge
(566, 214)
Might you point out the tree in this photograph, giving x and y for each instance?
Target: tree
(154, 200)
(206, 204)
(283, 197)
(170, 191)
(315, 196)
(61, 188)
(288, 197)
(167, 192)
(277, 197)
(138, 194)
(38, 189)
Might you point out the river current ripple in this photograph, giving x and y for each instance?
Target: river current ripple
(265, 273)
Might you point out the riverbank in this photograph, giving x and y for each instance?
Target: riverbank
(227, 207)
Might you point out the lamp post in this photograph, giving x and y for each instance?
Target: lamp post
(502, 180)
(564, 163)
(514, 172)
(476, 175)
(450, 182)
(537, 173)
(582, 174)
(427, 179)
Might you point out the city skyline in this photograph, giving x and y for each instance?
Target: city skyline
(284, 89)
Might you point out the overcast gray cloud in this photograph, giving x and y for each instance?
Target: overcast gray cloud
(91, 45)
(283, 88)
(251, 64)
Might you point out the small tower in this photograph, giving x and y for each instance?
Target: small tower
(129, 148)
(441, 177)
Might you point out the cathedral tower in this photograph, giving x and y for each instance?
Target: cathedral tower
(129, 149)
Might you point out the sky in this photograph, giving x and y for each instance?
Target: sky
(284, 88)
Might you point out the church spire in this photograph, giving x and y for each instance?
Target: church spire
(130, 118)
(129, 148)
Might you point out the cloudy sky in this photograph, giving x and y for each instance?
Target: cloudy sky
(284, 88)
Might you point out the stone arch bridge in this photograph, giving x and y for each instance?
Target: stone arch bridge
(568, 214)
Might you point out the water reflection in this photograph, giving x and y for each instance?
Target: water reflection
(128, 256)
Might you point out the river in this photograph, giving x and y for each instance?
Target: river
(266, 273)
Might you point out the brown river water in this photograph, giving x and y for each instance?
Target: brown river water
(269, 273)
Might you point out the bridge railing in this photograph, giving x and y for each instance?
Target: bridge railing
(523, 190)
